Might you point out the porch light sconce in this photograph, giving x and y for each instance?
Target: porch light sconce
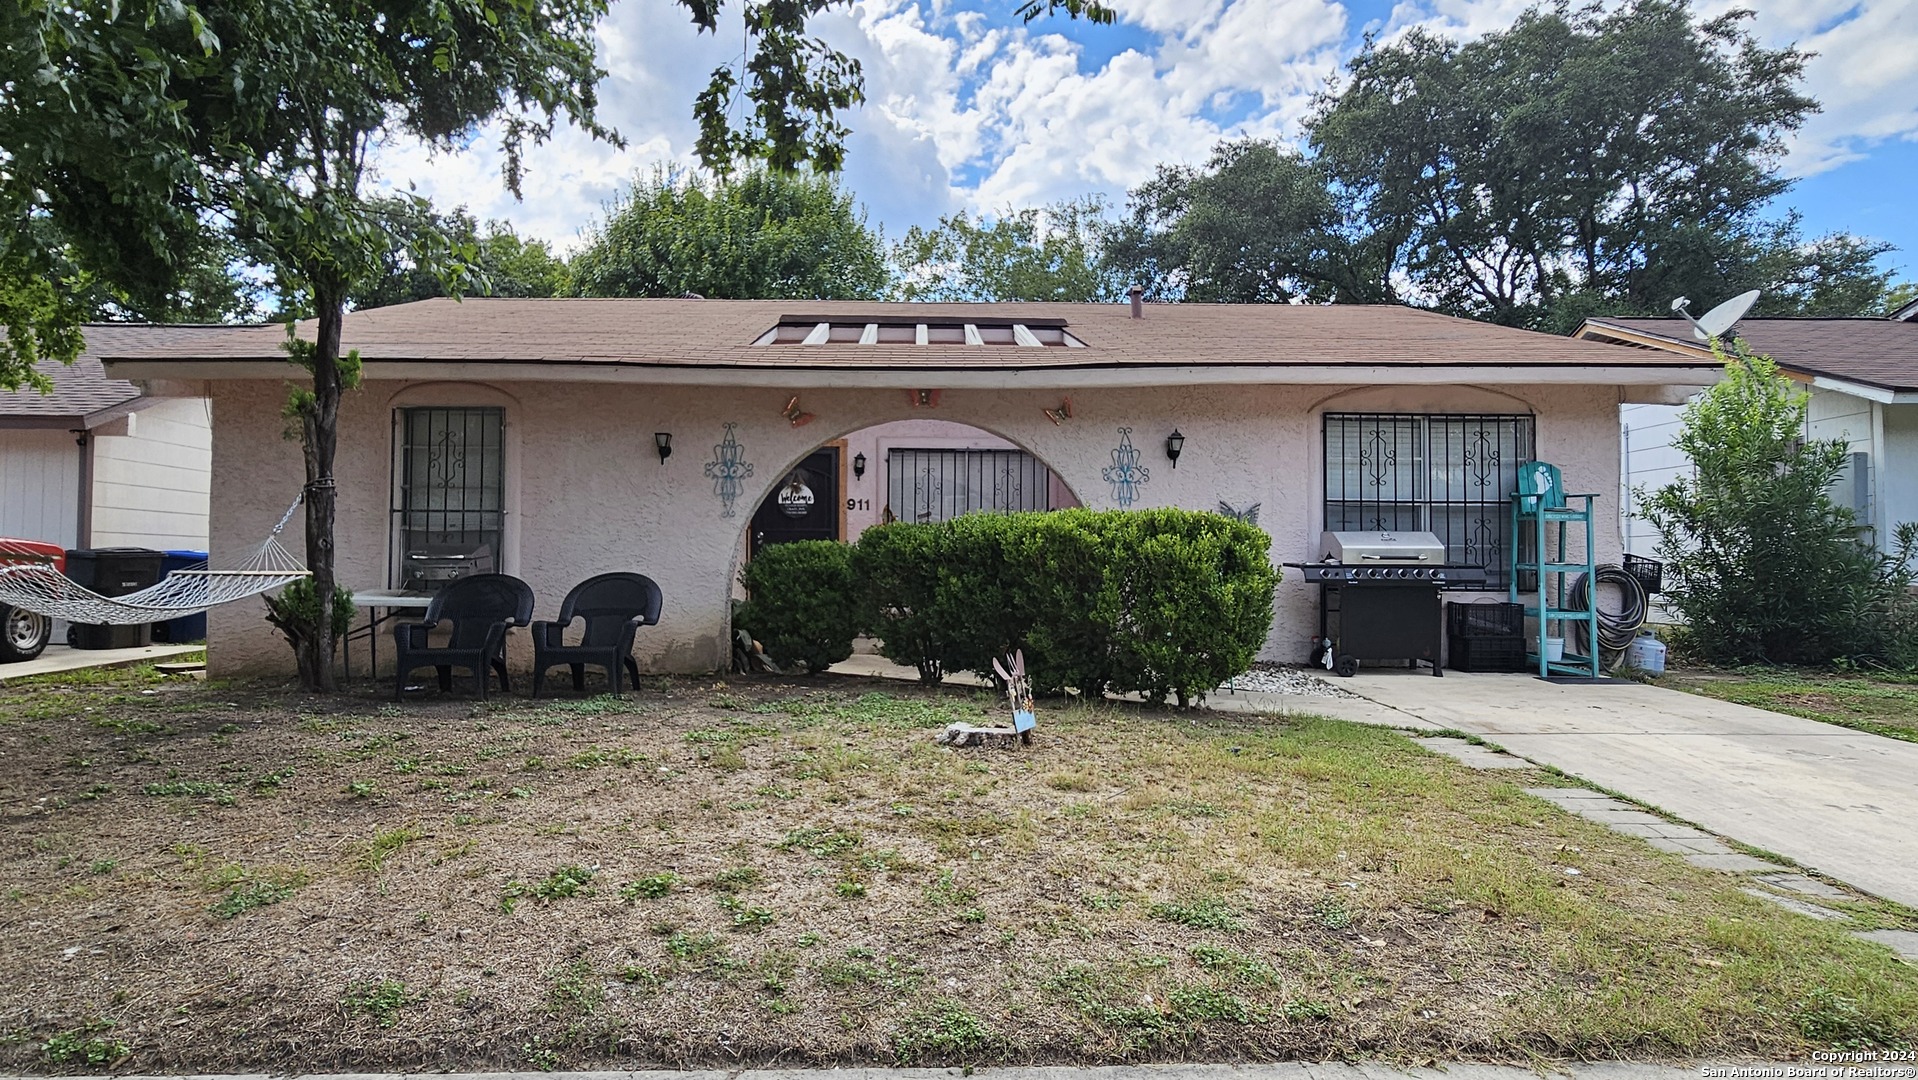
(859, 466)
(792, 412)
(663, 442)
(1174, 446)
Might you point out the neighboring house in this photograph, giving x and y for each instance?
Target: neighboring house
(523, 434)
(99, 463)
(1862, 375)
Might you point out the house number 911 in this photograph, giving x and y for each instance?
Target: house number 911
(858, 504)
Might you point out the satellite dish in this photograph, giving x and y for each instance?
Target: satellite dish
(1715, 322)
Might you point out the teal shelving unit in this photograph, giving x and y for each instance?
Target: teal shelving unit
(1544, 565)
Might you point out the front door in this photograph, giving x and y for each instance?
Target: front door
(805, 505)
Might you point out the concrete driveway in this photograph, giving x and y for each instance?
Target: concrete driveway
(1839, 801)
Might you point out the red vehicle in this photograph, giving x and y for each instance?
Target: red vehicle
(24, 634)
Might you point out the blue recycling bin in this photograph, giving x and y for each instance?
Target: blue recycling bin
(186, 628)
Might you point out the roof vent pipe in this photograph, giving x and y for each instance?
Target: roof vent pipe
(1137, 293)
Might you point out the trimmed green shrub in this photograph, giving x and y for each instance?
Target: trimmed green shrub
(896, 571)
(1168, 603)
(1196, 595)
(802, 602)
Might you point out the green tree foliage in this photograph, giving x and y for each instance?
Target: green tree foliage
(1257, 224)
(1761, 563)
(1584, 161)
(794, 86)
(498, 261)
(759, 234)
(1571, 152)
(139, 131)
(1034, 254)
(1898, 296)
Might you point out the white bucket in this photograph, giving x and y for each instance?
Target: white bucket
(1554, 649)
(1647, 654)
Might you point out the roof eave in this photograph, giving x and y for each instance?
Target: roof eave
(1106, 374)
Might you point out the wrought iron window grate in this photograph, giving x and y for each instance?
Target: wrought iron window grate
(451, 492)
(936, 485)
(1445, 474)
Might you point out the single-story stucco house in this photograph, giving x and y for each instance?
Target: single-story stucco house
(1862, 378)
(530, 435)
(98, 463)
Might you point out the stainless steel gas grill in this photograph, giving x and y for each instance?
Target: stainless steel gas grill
(1379, 598)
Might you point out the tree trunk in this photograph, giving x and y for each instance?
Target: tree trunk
(320, 426)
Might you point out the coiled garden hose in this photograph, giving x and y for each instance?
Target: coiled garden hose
(1616, 630)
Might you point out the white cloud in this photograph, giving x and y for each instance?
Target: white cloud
(969, 111)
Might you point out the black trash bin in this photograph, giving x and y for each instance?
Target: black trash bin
(113, 572)
(186, 628)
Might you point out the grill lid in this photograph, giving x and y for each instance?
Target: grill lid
(1391, 548)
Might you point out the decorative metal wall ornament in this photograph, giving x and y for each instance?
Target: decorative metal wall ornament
(1125, 474)
(1063, 412)
(1248, 514)
(923, 399)
(728, 470)
(793, 412)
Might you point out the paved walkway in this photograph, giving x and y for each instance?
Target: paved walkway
(1842, 802)
(59, 658)
(1611, 1070)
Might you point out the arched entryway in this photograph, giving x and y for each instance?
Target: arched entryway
(903, 470)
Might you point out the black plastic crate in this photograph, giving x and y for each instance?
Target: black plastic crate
(1649, 572)
(1503, 653)
(1484, 619)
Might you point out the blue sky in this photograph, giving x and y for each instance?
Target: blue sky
(968, 109)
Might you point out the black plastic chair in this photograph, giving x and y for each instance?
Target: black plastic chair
(613, 607)
(482, 609)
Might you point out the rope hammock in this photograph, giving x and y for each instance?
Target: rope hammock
(29, 581)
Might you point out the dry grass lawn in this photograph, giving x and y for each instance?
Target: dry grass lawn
(236, 878)
(1881, 703)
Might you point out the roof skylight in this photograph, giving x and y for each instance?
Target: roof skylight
(893, 330)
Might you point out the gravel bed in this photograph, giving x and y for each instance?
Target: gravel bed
(1269, 678)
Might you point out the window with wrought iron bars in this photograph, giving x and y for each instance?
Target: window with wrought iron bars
(1412, 472)
(937, 485)
(450, 496)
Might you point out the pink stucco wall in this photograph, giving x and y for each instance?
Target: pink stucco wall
(586, 492)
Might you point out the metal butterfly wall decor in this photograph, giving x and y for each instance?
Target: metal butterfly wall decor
(1249, 514)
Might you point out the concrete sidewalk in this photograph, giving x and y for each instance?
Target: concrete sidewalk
(1615, 1070)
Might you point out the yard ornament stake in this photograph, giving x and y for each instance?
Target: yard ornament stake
(1019, 693)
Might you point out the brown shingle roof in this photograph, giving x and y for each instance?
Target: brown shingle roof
(1876, 352)
(82, 388)
(720, 333)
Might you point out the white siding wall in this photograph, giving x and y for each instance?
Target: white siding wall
(152, 478)
(1897, 480)
(1650, 462)
(40, 486)
(1832, 414)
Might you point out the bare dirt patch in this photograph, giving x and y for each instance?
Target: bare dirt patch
(209, 878)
